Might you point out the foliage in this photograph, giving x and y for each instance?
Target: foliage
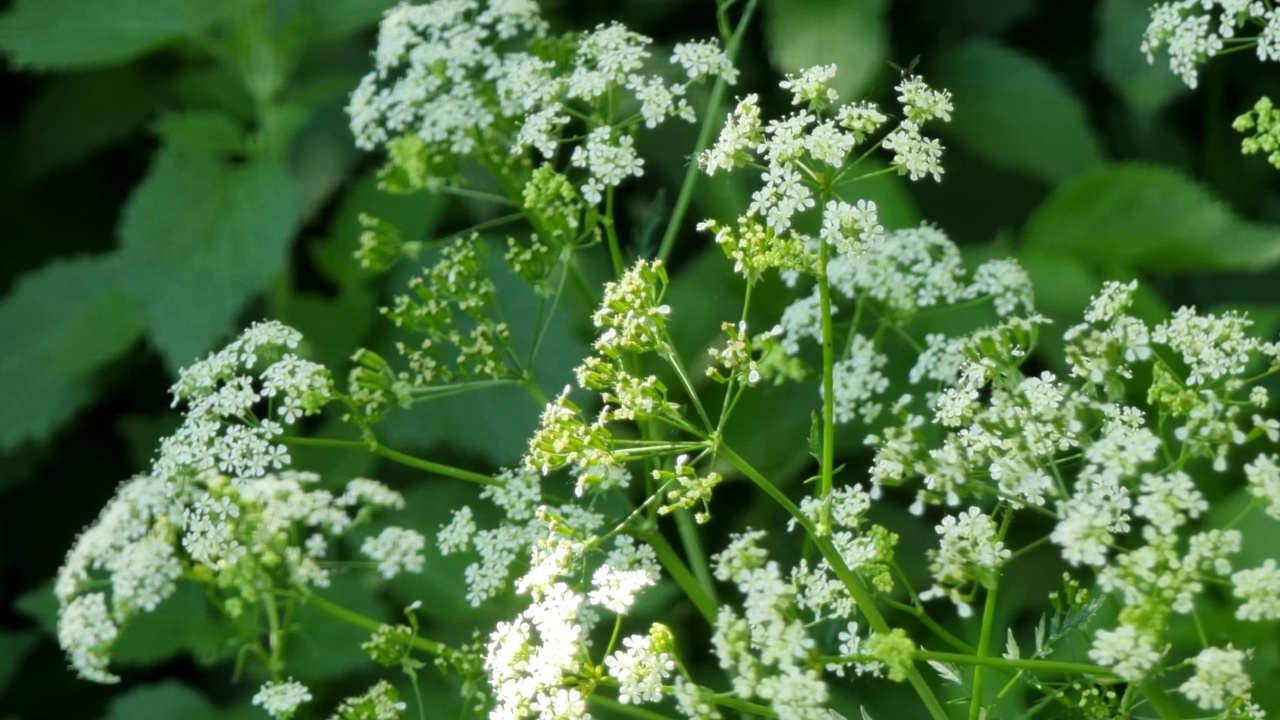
(182, 169)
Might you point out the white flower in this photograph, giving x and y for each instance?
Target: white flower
(86, 633)
(1126, 650)
(396, 550)
(640, 670)
(1220, 678)
(281, 699)
(1259, 588)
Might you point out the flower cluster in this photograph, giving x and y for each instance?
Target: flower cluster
(1262, 124)
(210, 510)
(805, 155)
(1196, 30)
(473, 78)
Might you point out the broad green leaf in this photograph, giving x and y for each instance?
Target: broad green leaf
(1014, 111)
(200, 237)
(1148, 218)
(170, 699)
(41, 606)
(849, 33)
(62, 322)
(66, 34)
(79, 114)
(1147, 87)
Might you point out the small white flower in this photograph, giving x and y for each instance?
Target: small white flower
(282, 699)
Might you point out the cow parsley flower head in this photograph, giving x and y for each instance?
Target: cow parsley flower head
(1220, 678)
(281, 699)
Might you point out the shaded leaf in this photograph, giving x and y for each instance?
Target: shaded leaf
(64, 321)
(182, 623)
(56, 130)
(202, 131)
(67, 34)
(200, 237)
(1145, 86)
(1014, 111)
(325, 20)
(1148, 218)
(849, 33)
(170, 699)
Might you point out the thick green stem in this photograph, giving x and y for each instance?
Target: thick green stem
(685, 579)
(828, 376)
(984, 649)
(858, 591)
(692, 542)
(1160, 702)
(396, 456)
(623, 709)
(710, 122)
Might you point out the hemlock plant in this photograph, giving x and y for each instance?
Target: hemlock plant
(989, 454)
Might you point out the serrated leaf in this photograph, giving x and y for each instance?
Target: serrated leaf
(63, 322)
(1148, 218)
(57, 131)
(1011, 649)
(850, 33)
(947, 672)
(170, 699)
(1147, 87)
(65, 34)
(200, 237)
(1013, 111)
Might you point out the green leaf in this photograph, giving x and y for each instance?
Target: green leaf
(849, 33)
(64, 34)
(200, 237)
(41, 606)
(62, 323)
(182, 623)
(202, 131)
(1148, 218)
(77, 115)
(1014, 111)
(1147, 87)
(325, 20)
(170, 699)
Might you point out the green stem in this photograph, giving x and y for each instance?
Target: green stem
(692, 543)
(611, 234)
(709, 124)
(364, 622)
(1044, 666)
(1160, 702)
(743, 705)
(984, 649)
(685, 579)
(828, 376)
(396, 456)
(623, 709)
(857, 590)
